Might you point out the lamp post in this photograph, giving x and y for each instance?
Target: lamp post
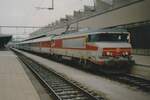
(94, 2)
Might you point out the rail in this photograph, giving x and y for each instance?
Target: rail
(128, 79)
(134, 81)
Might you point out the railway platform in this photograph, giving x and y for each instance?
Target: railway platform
(142, 66)
(142, 60)
(108, 88)
(14, 82)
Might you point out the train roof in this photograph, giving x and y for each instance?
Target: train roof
(80, 33)
(113, 30)
(90, 32)
(36, 40)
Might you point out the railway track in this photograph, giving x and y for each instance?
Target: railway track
(129, 79)
(57, 85)
(133, 81)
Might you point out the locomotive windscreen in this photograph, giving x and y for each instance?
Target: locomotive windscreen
(108, 37)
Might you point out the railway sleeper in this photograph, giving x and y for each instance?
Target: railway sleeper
(68, 93)
(74, 97)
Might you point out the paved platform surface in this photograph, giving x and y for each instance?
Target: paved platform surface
(112, 90)
(142, 60)
(142, 66)
(14, 83)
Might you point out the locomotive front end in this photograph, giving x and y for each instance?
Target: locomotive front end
(118, 59)
(114, 51)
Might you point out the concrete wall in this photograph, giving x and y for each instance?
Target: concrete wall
(132, 13)
(140, 37)
(119, 2)
(101, 5)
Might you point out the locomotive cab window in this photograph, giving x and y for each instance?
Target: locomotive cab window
(108, 37)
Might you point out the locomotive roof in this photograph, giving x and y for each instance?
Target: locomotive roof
(37, 40)
(88, 32)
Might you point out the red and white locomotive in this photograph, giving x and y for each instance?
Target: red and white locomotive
(105, 49)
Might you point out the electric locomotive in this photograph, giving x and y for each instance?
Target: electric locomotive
(107, 50)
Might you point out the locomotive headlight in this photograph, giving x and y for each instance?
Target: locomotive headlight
(126, 53)
(108, 53)
(111, 53)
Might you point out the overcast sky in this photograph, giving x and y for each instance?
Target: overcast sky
(24, 12)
